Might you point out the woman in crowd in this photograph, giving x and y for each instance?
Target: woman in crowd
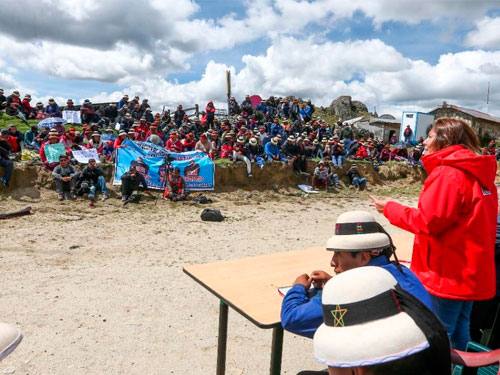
(454, 224)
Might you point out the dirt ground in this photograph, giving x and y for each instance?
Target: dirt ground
(101, 291)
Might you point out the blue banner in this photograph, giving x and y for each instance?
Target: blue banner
(151, 161)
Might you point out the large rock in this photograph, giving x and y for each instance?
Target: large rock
(345, 108)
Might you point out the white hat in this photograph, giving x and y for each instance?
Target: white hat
(253, 141)
(357, 231)
(274, 141)
(10, 337)
(364, 324)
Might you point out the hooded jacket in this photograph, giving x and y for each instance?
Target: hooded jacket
(454, 225)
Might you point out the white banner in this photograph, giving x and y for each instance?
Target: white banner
(72, 117)
(83, 156)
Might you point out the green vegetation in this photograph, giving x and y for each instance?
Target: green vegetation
(6, 121)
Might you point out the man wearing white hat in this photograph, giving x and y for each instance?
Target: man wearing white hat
(373, 327)
(358, 241)
(10, 337)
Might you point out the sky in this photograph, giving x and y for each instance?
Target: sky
(393, 55)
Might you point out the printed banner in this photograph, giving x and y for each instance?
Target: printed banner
(151, 161)
(72, 117)
(84, 155)
(53, 151)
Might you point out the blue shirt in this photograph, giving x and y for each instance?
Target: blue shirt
(271, 150)
(302, 312)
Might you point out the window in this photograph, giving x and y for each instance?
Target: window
(408, 115)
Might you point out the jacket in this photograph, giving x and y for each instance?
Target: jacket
(302, 313)
(454, 225)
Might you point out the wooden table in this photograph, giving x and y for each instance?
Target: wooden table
(249, 286)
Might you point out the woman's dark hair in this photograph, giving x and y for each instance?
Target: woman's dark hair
(436, 359)
(452, 131)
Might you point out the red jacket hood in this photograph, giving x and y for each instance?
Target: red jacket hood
(482, 167)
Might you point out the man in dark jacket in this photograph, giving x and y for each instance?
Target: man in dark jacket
(179, 116)
(5, 162)
(92, 180)
(131, 182)
(65, 176)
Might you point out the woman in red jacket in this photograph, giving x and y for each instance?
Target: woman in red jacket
(454, 225)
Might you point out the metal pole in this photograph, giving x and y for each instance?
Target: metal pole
(222, 339)
(276, 351)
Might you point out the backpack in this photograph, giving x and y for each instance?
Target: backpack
(211, 214)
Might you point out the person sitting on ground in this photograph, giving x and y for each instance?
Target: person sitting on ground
(31, 139)
(65, 176)
(293, 152)
(226, 149)
(131, 182)
(173, 143)
(357, 180)
(119, 140)
(254, 151)
(239, 154)
(91, 181)
(175, 189)
(320, 176)
(204, 145)
(5, 162)
(372, 326)
(272, 150)
(333, 178)
(188, 143)
(52, 109)
(358, 241)
(52, 138)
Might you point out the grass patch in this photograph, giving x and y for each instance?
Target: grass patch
(223, 162)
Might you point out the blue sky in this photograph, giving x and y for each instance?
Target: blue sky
(380, 51)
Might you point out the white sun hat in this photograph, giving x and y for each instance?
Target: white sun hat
(10, 337)
(364, 323)
(358, 231)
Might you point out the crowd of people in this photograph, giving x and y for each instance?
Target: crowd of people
(277, 129)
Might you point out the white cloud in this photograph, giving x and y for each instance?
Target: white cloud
(486, 34)
(370, 71)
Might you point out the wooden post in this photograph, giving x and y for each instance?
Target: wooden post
(228, 88)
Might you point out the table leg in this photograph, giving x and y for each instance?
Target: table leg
(222, 340)
(276, 350)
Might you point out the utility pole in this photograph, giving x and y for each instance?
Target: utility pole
(488, 98)
(228, 88)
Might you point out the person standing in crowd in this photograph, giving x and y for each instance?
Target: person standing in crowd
(408, 133)
(179, 116)
(5, 162)
(454, 225)
(210, 114)
(65, 179)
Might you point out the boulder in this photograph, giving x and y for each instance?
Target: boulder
(345, 108)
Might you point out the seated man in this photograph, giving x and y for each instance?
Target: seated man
(131, 181)
(5, 162)
(175, 189)
(373, 327)
(65, 178)
(320, 176)
(272, 150)
(357, 180)
(92, 180)
(358, 241)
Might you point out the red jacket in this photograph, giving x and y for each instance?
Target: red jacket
(454, 225)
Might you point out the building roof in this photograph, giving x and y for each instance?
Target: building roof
(384, 120)
(470, 112)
